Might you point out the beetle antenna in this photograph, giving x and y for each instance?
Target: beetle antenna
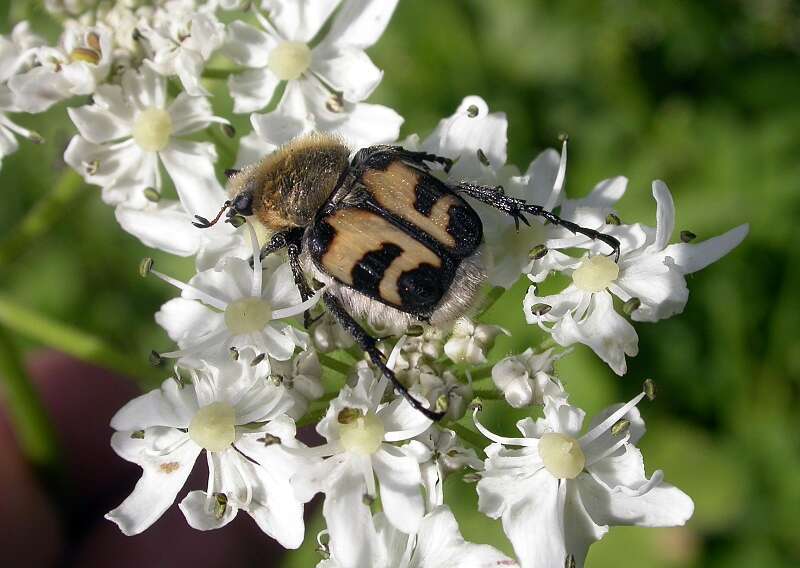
(203, 223)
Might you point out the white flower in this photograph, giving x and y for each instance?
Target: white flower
(650, 278)
(325, 83)
(329, 336)
(80, 63)
(280, 51)
(302, 378)
(182, 38)
(239, 421)
(361, 433)
(438, 544)
(231, 307)
(469, 342)
(440, 453)
(443, 390)
(16, 54)
(558, 492)
(527, 378)
(131, 129)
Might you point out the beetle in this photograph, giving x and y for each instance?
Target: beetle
(389, 239)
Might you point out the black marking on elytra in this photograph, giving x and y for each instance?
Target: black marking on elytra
(466, 229)
(320, 239)
(421, 288)
(426, 194)
(368, 272)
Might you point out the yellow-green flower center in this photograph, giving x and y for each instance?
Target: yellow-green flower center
(362, 435)
(289, 59)
(595, 273)
(247, 315)
(152, 129)
(213, 427)
(562, 455)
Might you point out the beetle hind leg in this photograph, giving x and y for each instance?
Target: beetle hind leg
(518, 208)
(368, 344)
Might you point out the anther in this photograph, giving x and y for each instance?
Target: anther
(269, 440)
(348, 415)
(228, 129)
(234, 353)
(441, 404)
(482, 158)
(563, 137)
(368, 499)
(91, 167)
(631, 306)
(258, 359)
(687, 236)
(220, 505)
(155, 359)
(649, 388)
(472, 111)
(620, 426)
(540, 309)
(137, 435)
(35, 137)
(612, 219)
(151, 194)
(145, 266)
(538, 252)
(569, 561)
(335, 103)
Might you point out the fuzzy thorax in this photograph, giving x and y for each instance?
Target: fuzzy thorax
(292, 183)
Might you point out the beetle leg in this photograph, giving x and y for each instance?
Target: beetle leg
(293, 249)
(368, 344)
(518, 208)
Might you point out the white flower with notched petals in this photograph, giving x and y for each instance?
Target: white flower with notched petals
(437, 544)
(557, 492)
(232, 307)
(129, 131)
(440, 453)
(302, 379)
(527, 378)
(329, 336)
(16, 55)
(650, 278)
(182, 38)
(469, 342)
(361, 434)
(80, 63)
(240, 422)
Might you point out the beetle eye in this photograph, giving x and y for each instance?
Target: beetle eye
(243, 203)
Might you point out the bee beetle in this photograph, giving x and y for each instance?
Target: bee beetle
(391, 241)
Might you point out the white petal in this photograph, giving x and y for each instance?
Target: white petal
(665, 215)
(580, 531)
(109, 118)
(183, 318)
(662, 506)
(400, 486)
(348, 70)
(191, 167)
(401, 419)
(279, 288)
(38, 89)
(252, 89)
(162, 477)
(349, 520)
(440, 545)
(198, 508)
(360, 23)
(657, 283)
(691, 257)
(171, 405)
(300, 20)
(163, 225)
(607, 333)
(189, 114)
(146, 87)
(591, 211)
(247, 45)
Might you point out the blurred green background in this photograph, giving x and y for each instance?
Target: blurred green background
(703, 95)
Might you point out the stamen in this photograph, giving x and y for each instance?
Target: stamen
(527, 442)
(203, 296)
(598, 430)
(257, 272)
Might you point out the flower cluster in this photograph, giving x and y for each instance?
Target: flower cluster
(247, 373)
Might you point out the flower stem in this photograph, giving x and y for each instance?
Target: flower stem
(217, 73)
(491, 298)
(42, 216)
(35, 433)
(67, 339)
(487, 394)
(334, 364)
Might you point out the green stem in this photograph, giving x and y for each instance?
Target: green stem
(473, 438)
(491, 298)
(67, 339)
(223, 144)
(42, 216)
(35, 433)
(217, 73)
(487, 394)
(335, 364)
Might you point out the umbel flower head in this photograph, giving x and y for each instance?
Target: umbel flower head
(558, 491)
(239, 421)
